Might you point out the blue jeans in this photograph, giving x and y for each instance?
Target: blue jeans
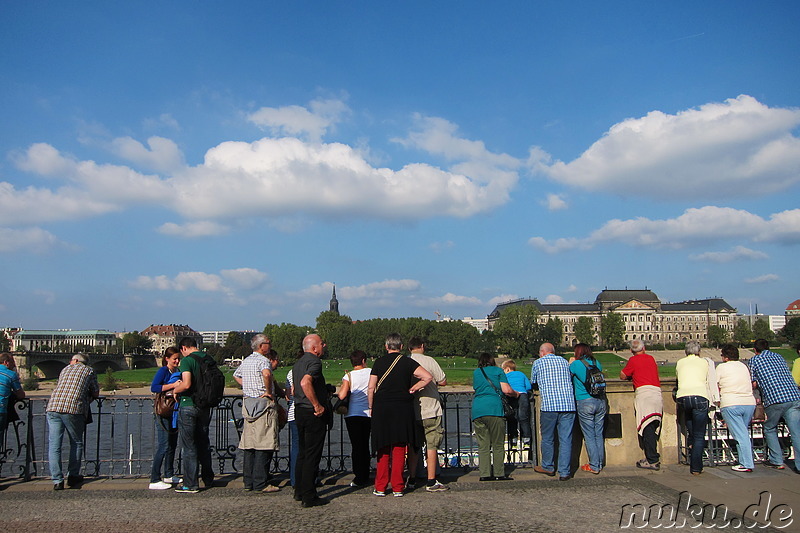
(561, 421)
(74, 425)
(737, 418)
(696, 410)
(790, 412)
(165, 453)
(193, 425)
(592, 415)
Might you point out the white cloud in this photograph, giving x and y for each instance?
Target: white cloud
(191, 230)
(47, 297)
(572, 288)
(161, 154)
(227, 282)
(296, 120)
(739, 147)
(695, 226)
(34, 240)
(164, 119)
(737, 253)
(447, 299)
(553, 299)
(386, 289)
(438, 247)
(766, 278)
(502, 298)
(555, 202)
(245, 278)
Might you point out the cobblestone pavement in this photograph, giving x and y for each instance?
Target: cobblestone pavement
(528, 504)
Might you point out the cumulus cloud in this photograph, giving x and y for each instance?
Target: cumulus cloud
(47, 297)
(739, 147)
(33, 240)
(441, 246)
(502, 298)
(228, 282)
(553, 299)
(379, 289)
(447, 299)
(192, 230)
(695, 226)
(766, 278)
(738, 253)
(555, 202)
(160, 154)
(294, 120)
(278, 177)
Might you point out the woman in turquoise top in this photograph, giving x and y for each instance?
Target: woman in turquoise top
(591, 410)
(487, 417)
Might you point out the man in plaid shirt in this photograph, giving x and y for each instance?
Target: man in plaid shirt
(66, 411)
(781, 399)
(550, 374)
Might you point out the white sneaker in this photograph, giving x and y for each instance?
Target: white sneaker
(437, 487)
(159, 485)
(174, 480)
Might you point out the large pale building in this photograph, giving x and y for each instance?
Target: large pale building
(62, 340)
(164, 336)
(644, 315)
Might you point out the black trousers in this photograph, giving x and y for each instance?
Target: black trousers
(311, 440)
(358, 429)
(255, 469)
(649, 442)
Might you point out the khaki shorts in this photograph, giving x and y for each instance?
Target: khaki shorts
(434, 432)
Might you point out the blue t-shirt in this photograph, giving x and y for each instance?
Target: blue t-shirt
(9, 382)
(486, 401)
(578, 371)
(519, 381)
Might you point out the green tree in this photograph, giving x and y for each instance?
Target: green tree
(5, 344)
(452, 338)
(612, 330)
(584, 330)
(109, 381)
(742, 333)
(287, 340)
(518, 331)
(717, 336)
(553, 331)
(336, 331)
(135, 343)
(761, 330)
(791, 331)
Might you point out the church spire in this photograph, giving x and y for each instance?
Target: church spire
(334, 301)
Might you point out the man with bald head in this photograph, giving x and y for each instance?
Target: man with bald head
(311, 414)
(550, 373)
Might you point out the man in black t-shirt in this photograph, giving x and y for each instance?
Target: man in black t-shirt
(311, 413)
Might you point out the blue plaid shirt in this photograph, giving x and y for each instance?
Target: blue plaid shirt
(774, 378)
(551, 373)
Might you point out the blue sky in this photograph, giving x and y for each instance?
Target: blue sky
(222, 164)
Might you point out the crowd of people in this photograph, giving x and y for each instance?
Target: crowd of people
(393, 412)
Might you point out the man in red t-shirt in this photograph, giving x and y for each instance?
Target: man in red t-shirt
(642, 369)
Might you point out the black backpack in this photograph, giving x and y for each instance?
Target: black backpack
(208, 383)
(595, 380)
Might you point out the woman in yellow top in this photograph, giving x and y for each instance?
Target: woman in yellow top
(693, 396)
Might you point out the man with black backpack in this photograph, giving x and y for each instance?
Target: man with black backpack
(201, 388)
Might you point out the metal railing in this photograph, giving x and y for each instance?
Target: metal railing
(121, 439)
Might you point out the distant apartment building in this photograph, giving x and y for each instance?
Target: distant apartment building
(62, 340)
(164, 336)
(776, 322)
(481, 324)
(644, 316)
(219, 337)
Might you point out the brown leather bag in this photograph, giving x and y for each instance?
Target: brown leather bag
(164, 404)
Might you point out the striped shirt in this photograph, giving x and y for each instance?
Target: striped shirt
(250, 372)
(77, 383)
(551, 373)
(772, 374)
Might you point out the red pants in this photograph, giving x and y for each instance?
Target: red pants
(398, 461)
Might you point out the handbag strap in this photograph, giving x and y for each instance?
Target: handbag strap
(492, 384)
(399, 356)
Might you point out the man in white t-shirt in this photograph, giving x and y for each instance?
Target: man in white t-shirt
(428, 411)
